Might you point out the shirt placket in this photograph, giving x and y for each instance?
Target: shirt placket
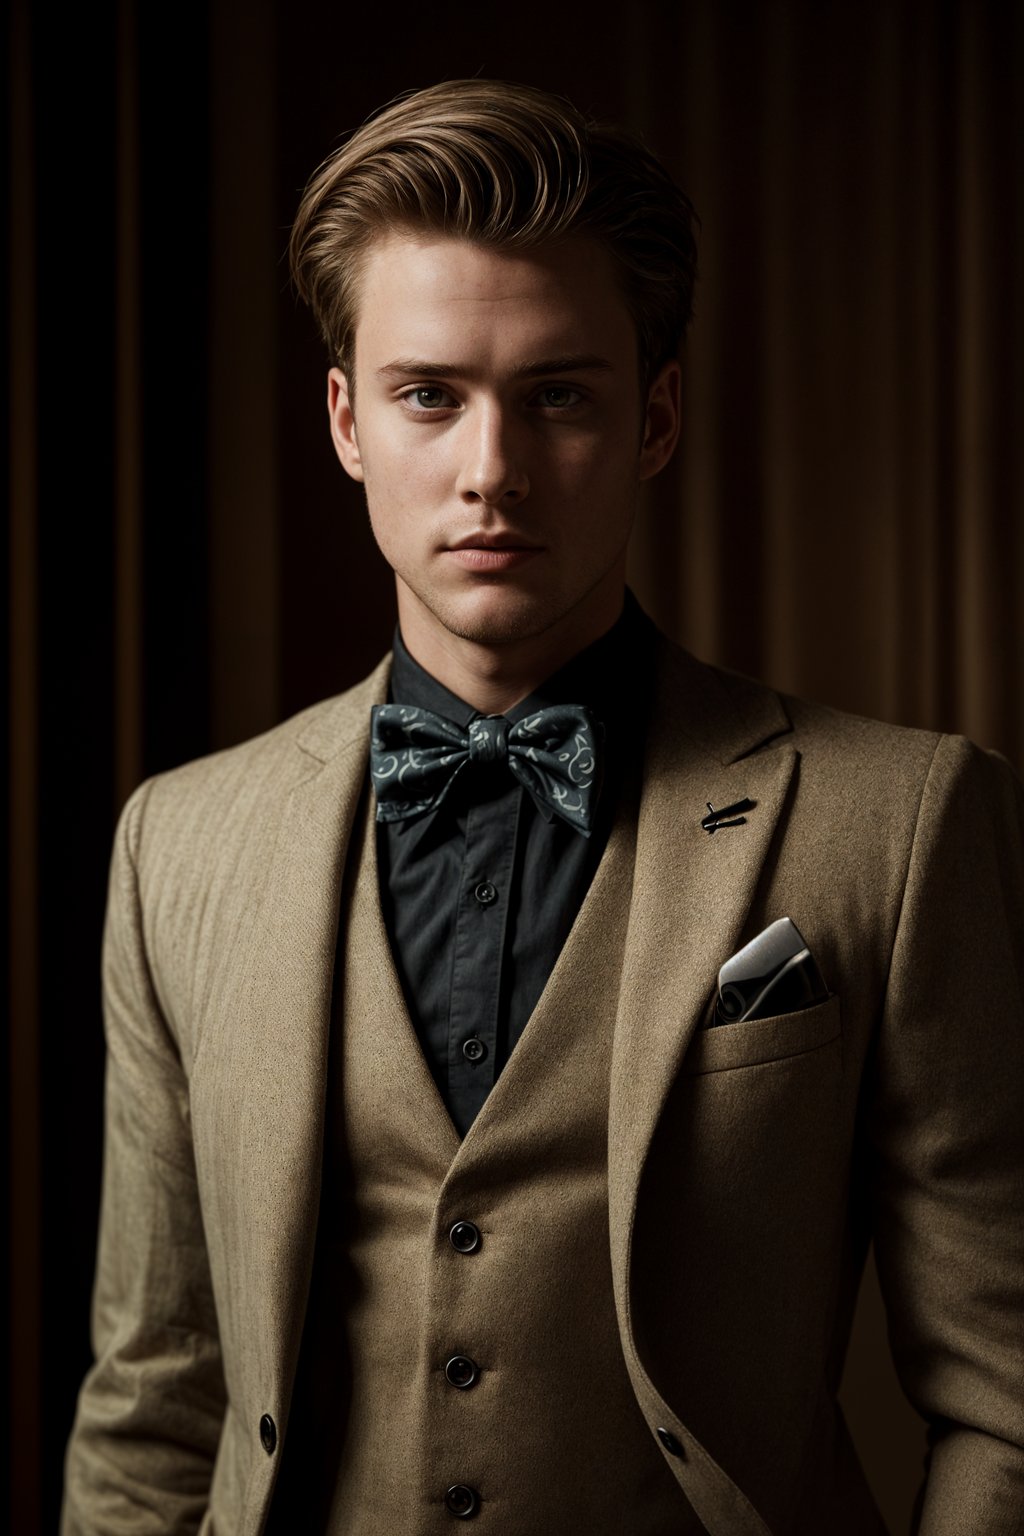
(481, 927)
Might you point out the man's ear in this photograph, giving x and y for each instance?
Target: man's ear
(662, 420)
(343, 424)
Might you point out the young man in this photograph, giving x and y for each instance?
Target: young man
(443, 1180)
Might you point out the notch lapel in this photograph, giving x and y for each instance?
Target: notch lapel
(278, 1075)
(692, 891)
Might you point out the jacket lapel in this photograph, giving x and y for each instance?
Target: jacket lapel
(284, 1022)
(691, 894)
(692, 889)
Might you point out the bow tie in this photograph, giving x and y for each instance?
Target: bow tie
(416, 756)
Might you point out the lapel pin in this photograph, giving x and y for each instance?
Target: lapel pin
(728, 816)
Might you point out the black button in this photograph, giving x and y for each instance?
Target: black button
(461, 1371)
(670, 1443)
(474, 1049)
(485, 893)
(465, 1237)
(462, 1501)
(268, 1434)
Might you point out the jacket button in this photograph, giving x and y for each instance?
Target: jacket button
(461, 1371)
(670, 1443)
(268, 1434)
(462, 1501)
(474, 1049)
(465, 1238)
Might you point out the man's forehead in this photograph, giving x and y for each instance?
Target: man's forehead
(556, 302)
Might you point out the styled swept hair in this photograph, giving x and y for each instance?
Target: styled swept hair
(510, 167)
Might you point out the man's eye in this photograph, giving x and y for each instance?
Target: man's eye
(557, 396)
(428, 397)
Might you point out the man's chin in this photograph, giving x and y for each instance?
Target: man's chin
(496, 618)
(507, 613)
(496, 629)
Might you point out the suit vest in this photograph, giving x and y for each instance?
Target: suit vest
(461, 1357)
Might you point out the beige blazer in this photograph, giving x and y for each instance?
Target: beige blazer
(748, 1165)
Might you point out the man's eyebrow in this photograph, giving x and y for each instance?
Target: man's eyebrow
(572, 362)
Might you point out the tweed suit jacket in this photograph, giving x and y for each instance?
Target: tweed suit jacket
(748, 1165)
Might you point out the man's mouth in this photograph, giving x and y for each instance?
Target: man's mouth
(493, 551)
(502, 538)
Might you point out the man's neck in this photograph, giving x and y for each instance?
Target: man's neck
(493, 678)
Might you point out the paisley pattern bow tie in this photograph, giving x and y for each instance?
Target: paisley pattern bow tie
(416, 756)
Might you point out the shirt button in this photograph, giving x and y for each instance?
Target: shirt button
(474, 1049)
(485, 893)
(670, 1443)
(461, 1371)
(268, 1434)
(462, 1501)
(465, 1237)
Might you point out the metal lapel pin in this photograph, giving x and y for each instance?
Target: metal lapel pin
(728, 816)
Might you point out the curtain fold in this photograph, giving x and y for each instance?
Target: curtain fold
(844, 516)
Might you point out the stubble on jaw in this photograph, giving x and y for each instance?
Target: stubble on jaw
(500, 630)
(516, 623)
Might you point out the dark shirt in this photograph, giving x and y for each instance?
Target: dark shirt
(479, 896)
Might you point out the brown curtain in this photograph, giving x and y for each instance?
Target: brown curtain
(845, 514)
(187, 564)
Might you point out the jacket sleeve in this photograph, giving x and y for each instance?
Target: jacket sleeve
(948, 1134)
(149, 1416)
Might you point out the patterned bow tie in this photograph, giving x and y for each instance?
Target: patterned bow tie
(416, 756)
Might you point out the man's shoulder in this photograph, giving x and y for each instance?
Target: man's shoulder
(742, 714)
(851, 758)
(236, 784)
(897, 760)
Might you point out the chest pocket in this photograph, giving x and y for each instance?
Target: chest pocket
(757, 1042)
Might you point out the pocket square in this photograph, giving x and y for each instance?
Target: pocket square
(775, 973)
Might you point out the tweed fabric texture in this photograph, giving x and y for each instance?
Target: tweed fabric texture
(735, 1251)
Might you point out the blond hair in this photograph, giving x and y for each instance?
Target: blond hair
(507, 166)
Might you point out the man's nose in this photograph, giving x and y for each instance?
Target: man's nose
(493, 469)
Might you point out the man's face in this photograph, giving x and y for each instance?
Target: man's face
(499, 433)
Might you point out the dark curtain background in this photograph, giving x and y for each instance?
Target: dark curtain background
(187, 563)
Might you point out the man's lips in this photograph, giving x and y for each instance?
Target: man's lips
(505, 538)
(492, 551)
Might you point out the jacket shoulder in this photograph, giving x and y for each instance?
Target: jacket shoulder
(738, 715)
(201, 801)
(856, 743)
(856, 759)
(849, 759)
(933, 766)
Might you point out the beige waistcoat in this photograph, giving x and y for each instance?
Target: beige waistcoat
(549, 1435)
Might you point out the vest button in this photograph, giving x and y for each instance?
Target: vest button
(474, 1049)
(461, 1371)
(462, 1501)
(485, 893)
(465, 1237)
(670, 1443)
(268, 1434)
